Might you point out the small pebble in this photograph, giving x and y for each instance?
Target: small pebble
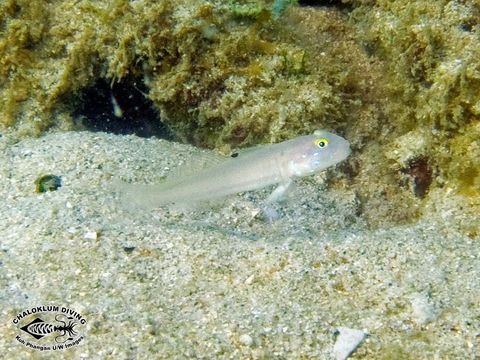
(128, 249)
(249, 280)
(347, 341)
(71, 230)
(423, 311)
(246, 339)
(91, 235)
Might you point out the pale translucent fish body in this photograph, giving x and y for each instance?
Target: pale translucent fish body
(252, 169)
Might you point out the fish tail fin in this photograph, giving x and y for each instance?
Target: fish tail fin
(140, 196)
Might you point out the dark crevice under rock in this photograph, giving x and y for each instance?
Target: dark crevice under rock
(121, 108)
(326, 3)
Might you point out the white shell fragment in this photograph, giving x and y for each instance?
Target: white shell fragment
(246, 340)
(91, 235)
(423, 310)
(347, 341)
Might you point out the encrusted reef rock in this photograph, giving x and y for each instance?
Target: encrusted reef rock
(431, 52)
(220, 73)
(400, 80)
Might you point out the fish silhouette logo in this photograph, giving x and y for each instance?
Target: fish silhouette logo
(39, 328)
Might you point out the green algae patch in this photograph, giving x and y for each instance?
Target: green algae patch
(47, 182)
(431, 49)
(262, 83)
(463, 162)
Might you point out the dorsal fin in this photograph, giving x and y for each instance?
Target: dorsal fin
(199, 161)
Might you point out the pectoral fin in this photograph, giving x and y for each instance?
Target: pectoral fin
(279, 193)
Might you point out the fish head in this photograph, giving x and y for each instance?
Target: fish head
(318, 151)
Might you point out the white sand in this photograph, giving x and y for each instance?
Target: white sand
(218, 283)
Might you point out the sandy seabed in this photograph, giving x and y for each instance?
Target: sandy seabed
(219, 282)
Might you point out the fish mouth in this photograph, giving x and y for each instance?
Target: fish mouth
(344, 152)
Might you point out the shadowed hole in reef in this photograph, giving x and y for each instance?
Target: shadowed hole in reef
(326, 3)
(121, 108)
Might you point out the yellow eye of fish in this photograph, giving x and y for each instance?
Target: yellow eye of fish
(322, 142)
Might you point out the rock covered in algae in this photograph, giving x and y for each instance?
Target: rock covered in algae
(47, 182)
(212, 69)
(430, 50)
